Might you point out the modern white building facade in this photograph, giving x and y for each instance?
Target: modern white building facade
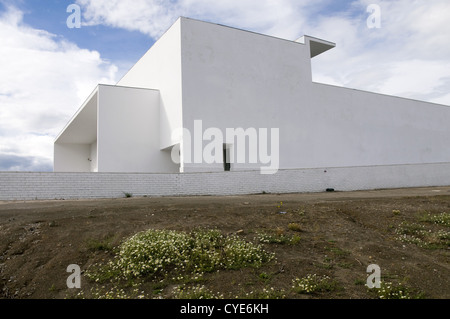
(226, 78)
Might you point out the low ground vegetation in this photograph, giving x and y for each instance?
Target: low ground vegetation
(255, 247)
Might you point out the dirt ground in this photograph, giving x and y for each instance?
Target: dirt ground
(341, 234)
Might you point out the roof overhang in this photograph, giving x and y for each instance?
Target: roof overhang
(316, 46)
(82, 128)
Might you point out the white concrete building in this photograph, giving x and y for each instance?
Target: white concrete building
(230, 78)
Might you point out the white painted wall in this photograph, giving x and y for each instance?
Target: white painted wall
(129, 130)
(93, 157)
(233, 78)
(73, 148)
(72, 158)
(356, 128)
(160, 68)
(31, 186)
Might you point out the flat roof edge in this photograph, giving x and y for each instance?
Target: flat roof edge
(318, 40)
(382, 94)
(317, 46)
(128, 87)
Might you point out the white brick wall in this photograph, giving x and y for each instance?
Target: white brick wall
(31, 186)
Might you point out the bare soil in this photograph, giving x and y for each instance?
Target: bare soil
(341, 234)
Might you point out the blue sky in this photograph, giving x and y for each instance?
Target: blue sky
(114, 44)
(48, 69)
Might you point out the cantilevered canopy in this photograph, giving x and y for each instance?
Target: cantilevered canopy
(317, 46)
(82, 128)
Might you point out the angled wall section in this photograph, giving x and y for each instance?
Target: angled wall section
(75, 147)
(160, 69)
(129, 131)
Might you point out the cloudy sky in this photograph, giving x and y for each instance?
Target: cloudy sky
(47, 69)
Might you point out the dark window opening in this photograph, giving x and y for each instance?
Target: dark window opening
(226, 159)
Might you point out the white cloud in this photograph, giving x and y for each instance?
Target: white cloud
(150, 17)
(44, 81)
(153, 17)
(408, 56)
